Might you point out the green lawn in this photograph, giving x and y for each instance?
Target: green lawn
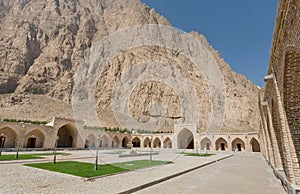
(87, 169)
(199, 155)
(28, 156)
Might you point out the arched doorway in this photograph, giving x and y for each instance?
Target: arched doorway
(255, 145)
(125, 141)
(9, 137)
(185, 139)
(35, 139)
(136, 142)
(167, 143)
(104, 141)
(238, 145)
(221, 144)
(116, 142)
(205, 144)
(91, 141)
(147, 143)
(67, 135)
(157, 143)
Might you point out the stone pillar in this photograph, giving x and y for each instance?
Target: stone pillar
(229, 143)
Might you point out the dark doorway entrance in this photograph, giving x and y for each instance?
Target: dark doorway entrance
(239, 147)
(125, 142)
(136, 142)
(222, 146)
(31, 142)
(191, 144)
(66, 137)
(70, 141)
(255, 145)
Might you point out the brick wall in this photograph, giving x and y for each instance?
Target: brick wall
(282, 94)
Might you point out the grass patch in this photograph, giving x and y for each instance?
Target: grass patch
(199, 155)
(21, 157)
(28, 156)
(87, 169)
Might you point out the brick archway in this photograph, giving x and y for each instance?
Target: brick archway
(255, 145)
(9, 137)
(167, 143)
(67, 136)
(221, 144)
(34, 139)
(136, 142)
(238, 145)
(205, 144)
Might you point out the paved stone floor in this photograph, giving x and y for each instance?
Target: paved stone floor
(242, 173)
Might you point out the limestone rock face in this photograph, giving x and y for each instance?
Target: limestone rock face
(42, 43)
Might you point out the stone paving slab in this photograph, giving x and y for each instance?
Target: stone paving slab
(245, 173)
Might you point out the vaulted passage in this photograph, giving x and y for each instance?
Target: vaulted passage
(35, 139)
(167, 143)
(104, 141)
(185, 139)
(221, 144)
(147, 143)
(205, 144)
(238, 145)
(125, 141)
(136, 142)
(8, 137)
(255, 145)
(67, 136)
(91, 141)
(157, 143)
(115, 142)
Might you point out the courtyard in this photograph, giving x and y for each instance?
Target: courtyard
(223, 172)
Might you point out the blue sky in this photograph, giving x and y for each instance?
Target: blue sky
(241, 30)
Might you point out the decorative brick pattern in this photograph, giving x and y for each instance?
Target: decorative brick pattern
(282, 93)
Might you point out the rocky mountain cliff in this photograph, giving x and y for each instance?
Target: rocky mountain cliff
(42, 43)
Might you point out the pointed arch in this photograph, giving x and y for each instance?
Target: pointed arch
(147, 142)
(255, 145)
(8, 136)
(185, 139)
(136, 142)
(238, 145)
(205, 144)
(104, 141)
(116, 142)
(91, 141)
(125, 141)
(167, 143)
(157, 143)
(67, 136)
(34, 139)
(221, 144)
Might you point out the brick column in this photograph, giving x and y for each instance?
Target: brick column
(286, 136)
(266, 137)
(276, 153)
